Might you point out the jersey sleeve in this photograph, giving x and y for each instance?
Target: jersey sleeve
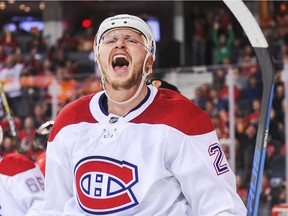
(205, 177)
(57, 178)
(34, 197)
(58, 174)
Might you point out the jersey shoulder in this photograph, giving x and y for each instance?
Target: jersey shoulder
(15, 163)
(175, 110)
(73, 113)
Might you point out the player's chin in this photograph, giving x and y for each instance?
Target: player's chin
(124, 83)
(121, 85)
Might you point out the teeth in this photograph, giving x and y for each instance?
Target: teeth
(119, 56)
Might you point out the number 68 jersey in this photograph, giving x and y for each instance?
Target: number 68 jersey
(21, 186)
(162, 158)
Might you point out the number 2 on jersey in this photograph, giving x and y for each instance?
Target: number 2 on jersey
(216, 151)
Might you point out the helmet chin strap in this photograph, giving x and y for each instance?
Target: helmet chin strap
(136, 94)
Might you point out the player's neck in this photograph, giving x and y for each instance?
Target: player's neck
(123, 109)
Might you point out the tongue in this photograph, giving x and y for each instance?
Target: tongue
(120, 68)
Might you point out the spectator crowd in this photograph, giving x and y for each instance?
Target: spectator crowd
(28, 70)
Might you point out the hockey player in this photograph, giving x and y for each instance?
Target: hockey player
(41, 139)
(134, 149)
(21, 186)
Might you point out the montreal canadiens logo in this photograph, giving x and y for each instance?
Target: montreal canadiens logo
(104, 185)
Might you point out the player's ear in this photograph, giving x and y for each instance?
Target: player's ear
(149, 62)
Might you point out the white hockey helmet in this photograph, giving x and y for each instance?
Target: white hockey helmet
(128, 21)
(42, 134)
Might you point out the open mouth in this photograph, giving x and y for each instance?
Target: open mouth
(120, 62)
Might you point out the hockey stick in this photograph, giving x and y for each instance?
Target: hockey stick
(260, 45)
(8, 114)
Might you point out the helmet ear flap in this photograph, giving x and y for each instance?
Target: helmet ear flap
(153, 48)
(95, 48)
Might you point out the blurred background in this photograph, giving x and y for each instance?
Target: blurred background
(46, 61)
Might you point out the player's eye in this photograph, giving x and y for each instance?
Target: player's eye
(131, 40)
(113, 39)
(110, 40)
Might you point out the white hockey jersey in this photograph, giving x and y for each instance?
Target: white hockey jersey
(162, 158)
(21, 186)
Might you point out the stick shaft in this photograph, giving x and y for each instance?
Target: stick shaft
(260, 45)
(8, 111)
